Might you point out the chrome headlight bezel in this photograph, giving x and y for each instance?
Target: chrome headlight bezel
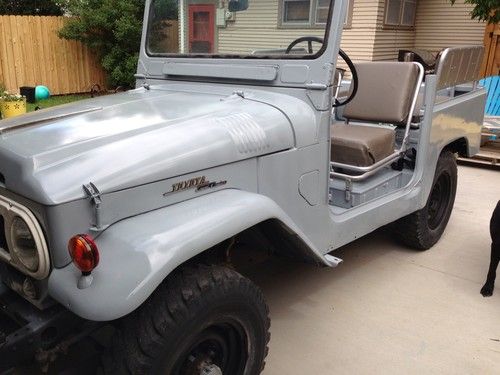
(26, 254)
(12, 211)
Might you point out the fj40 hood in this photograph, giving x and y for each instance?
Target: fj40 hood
(121, 141)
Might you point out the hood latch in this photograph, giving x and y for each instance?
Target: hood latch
(94, 195)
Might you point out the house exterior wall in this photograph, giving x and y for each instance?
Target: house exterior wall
(388, 41)
(440, 25)
(261, 21)
(366, 38)
(257, 28)
(359, 38)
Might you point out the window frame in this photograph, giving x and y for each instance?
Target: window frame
(350, 12)
(279, 58)
(314, 17)
(400, 25)
(313, 12)
(294, 24)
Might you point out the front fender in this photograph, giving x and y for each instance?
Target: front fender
(137, 254)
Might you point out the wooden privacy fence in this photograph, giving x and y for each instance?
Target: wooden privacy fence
(491, 62)
(170, 37)
(32, 54)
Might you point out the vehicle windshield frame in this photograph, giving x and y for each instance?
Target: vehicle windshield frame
(236, 56)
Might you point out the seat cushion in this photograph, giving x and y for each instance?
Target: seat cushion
(360, 145)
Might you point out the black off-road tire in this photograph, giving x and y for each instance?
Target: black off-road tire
(200, 316)
(423, 229)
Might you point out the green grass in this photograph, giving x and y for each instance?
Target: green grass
(56, 100)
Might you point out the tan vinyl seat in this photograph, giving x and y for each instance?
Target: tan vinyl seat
(361, 146)
(385, 95)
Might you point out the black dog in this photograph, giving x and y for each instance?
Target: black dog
(487, 290)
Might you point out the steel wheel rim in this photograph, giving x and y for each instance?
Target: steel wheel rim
(222, 346)
(439, 201)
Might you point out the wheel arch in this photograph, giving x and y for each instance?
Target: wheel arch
(270, 236)
(137, 254)
(459, 146)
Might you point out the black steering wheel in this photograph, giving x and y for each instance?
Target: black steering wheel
(354, 82)
(308, 39)
(348, 61)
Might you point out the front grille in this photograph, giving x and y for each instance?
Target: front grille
(3, 239)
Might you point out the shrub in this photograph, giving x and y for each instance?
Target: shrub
(484, 10)
(112, 28)
(30, 7)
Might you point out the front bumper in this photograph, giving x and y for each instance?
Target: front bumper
(27, 333)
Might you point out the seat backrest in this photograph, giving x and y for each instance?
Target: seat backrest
(385, 94)
(457, 65)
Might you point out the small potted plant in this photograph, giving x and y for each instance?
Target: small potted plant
(12, 105)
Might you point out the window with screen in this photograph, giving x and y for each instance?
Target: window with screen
(400, 13)
(308, 13)
(296, 11)
(322, 8)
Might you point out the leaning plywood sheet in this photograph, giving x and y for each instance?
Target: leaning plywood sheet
(492, 124)
(489, 153)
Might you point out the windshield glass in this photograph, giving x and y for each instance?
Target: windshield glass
(243, 28)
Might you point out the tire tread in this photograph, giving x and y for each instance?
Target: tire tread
(133, 349)
(412, 230)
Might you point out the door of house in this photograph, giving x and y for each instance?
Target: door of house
(201, 28)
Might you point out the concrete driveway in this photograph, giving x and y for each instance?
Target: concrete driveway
(386, 309)
(390, 310)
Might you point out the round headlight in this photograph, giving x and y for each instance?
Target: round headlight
(24, 245)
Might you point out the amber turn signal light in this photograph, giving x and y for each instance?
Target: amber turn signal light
(84, 253)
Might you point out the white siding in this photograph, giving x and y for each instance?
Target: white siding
(257, 28)
(438, 25)
(358, 40)
(441, 25)
(388, 41)
(260, 22)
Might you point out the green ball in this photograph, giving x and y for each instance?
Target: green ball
(42, 92)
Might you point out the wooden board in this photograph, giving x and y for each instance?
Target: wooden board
(488, 155)
(491, 61)
(31, 53)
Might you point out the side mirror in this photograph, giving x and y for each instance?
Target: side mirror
(238, 5)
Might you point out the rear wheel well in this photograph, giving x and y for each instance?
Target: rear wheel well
(459, 146)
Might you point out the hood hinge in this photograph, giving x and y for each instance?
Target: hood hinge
(94, 195)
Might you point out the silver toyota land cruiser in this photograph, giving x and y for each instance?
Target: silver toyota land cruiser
(130, 209)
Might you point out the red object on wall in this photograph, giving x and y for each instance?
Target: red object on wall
(201, 28)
